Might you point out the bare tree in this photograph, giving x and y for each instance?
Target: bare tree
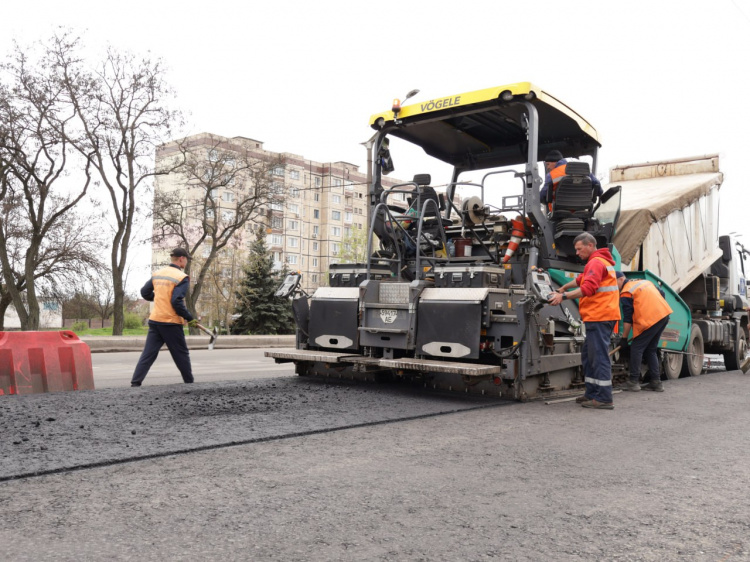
(35, 189)
(122, 114)
(220, 190)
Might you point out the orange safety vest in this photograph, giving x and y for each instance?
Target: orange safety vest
(556, 174)
(604, 305)
(648, 305)
(165, 280)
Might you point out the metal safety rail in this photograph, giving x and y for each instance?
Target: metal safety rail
(392, 225)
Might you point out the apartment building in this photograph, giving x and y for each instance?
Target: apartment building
(321, 209)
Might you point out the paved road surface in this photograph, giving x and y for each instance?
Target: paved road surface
(663, 477)
(113, 370)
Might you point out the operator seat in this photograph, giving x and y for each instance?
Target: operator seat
(573, 202)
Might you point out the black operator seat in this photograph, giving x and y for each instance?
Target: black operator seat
(428, 192)
(432, 216)
(573, 202)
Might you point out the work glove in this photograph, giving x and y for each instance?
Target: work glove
(193, 323)
(624, 344)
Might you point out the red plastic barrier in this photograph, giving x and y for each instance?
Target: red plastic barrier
(32, 362)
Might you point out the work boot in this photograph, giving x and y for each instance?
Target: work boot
(582, 399)
(598, 405)
(656, 386)
(632, 386)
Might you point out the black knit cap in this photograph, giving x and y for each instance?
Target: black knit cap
(180, 253)
(553, 156)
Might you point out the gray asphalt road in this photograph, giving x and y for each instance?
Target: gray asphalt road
(114, 370)
(664, 476)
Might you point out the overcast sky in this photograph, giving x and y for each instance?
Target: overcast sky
(658, 79)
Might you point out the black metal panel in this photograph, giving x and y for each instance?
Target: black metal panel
(444, 329)
(472, 277)
(332, 322)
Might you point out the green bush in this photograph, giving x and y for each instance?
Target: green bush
(133, 321)
(79, 327)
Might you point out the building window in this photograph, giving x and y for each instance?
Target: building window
(276, 206)
(348, 216)
(337, 199)
(294, 174)
(294, 208)
(293, 242)
(317, 182)
(315, 246)
(292, 225)
(277, 188)
(316, 197)
(315, 262)
(335, 248)
(227, 216)
(336, 231)
(336, 182)
(277, 240)
(278, 171)
(291, 259)
(336, 215)
(314, 277)
(213, 155)
(316, 230)
(227, 196)
(347, 231)
(294, 192)
(277, 223)
(210, 214)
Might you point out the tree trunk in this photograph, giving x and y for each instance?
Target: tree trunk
(118, 311)
(32, 303)
(5, 301)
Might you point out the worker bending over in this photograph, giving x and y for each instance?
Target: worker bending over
(647, 312)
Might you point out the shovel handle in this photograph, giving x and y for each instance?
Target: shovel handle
(206, 330)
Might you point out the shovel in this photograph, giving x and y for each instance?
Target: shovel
(214, 335)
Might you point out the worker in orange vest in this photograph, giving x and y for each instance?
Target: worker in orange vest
(647, 312)
(600, 311)
(167, 289)
(554, 165)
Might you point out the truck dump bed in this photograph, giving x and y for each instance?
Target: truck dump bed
(669, 217)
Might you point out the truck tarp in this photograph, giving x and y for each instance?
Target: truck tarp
(650, 200)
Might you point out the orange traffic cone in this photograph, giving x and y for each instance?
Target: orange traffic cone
(516, 235)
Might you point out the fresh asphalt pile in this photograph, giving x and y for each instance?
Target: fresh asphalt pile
(48, 433)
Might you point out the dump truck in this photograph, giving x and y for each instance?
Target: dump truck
(454, 293)
(668, 229)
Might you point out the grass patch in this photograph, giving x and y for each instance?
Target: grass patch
(142, 331)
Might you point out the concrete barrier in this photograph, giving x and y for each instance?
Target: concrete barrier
(100, 344)
(33, 362)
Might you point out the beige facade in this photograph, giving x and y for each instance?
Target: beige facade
(322, 208)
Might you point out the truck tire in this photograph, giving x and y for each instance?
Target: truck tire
(733, 359)
(672, 365)
(692, 362)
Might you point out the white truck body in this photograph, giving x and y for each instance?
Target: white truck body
(669, 217)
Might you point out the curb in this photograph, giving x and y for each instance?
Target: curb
(108, 344)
